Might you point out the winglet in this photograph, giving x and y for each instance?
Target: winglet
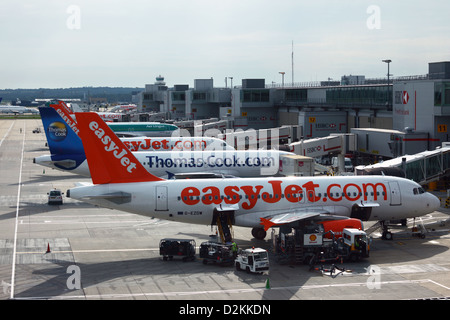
(109, 160)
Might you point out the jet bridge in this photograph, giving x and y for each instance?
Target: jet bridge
(335, 144)
(423, 167)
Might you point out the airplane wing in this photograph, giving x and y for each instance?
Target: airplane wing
(368, 204)
(290, 216)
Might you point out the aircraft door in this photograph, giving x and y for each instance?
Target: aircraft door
(396, 198)
(161, 198)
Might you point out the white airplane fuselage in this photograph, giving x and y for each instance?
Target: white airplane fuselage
(241, 163)
(194, 201)
(17, 110)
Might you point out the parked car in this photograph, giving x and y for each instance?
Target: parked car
(55, 197)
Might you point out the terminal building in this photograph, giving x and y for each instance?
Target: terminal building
(391, 118)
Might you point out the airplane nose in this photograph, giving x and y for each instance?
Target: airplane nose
(433, 203)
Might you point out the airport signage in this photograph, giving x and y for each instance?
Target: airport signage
(401, 97)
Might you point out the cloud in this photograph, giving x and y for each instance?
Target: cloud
(132, 42)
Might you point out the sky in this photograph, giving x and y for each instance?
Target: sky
(76, 43)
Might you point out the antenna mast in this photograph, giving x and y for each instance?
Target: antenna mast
(292, 58)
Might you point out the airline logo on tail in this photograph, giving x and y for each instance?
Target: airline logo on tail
(62, 141)
(109, 159)
(57, 131)
(63, 110)
(111, 146)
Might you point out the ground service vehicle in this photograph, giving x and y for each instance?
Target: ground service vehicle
(321, 243)
(55, 197)
(356, 244)
(353, 245)
(216, 252)
(252, 260)
(182, 248)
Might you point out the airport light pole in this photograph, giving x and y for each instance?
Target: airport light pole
(282, 78)
(388, 61)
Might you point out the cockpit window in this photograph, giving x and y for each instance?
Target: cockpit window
(418, 190)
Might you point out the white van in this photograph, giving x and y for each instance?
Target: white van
(348, 166)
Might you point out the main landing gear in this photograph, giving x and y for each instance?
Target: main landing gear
(259, 233)
(386, 234)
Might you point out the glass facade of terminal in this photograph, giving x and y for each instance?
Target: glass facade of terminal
(442, 94)
(255, 95)
(360, 95)
(298, 95)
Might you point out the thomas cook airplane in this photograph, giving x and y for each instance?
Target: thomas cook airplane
(67, 153)
(259, 203)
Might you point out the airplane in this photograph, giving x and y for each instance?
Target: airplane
(259, 203)
(17, 110)
(116, 113)
(110, 116)
(133, 129)
(67, 153)
(137, 129)
(136, 143)
(124, 108)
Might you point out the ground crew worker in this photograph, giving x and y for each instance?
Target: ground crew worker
(357, 242)
(234, 249)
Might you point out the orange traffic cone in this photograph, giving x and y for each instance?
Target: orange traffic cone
(48, 248)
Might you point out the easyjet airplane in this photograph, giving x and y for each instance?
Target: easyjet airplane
(144, 143)
(260, 203)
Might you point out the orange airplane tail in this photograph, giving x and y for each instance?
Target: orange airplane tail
(109, 160)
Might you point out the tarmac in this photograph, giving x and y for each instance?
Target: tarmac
(77, 251)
